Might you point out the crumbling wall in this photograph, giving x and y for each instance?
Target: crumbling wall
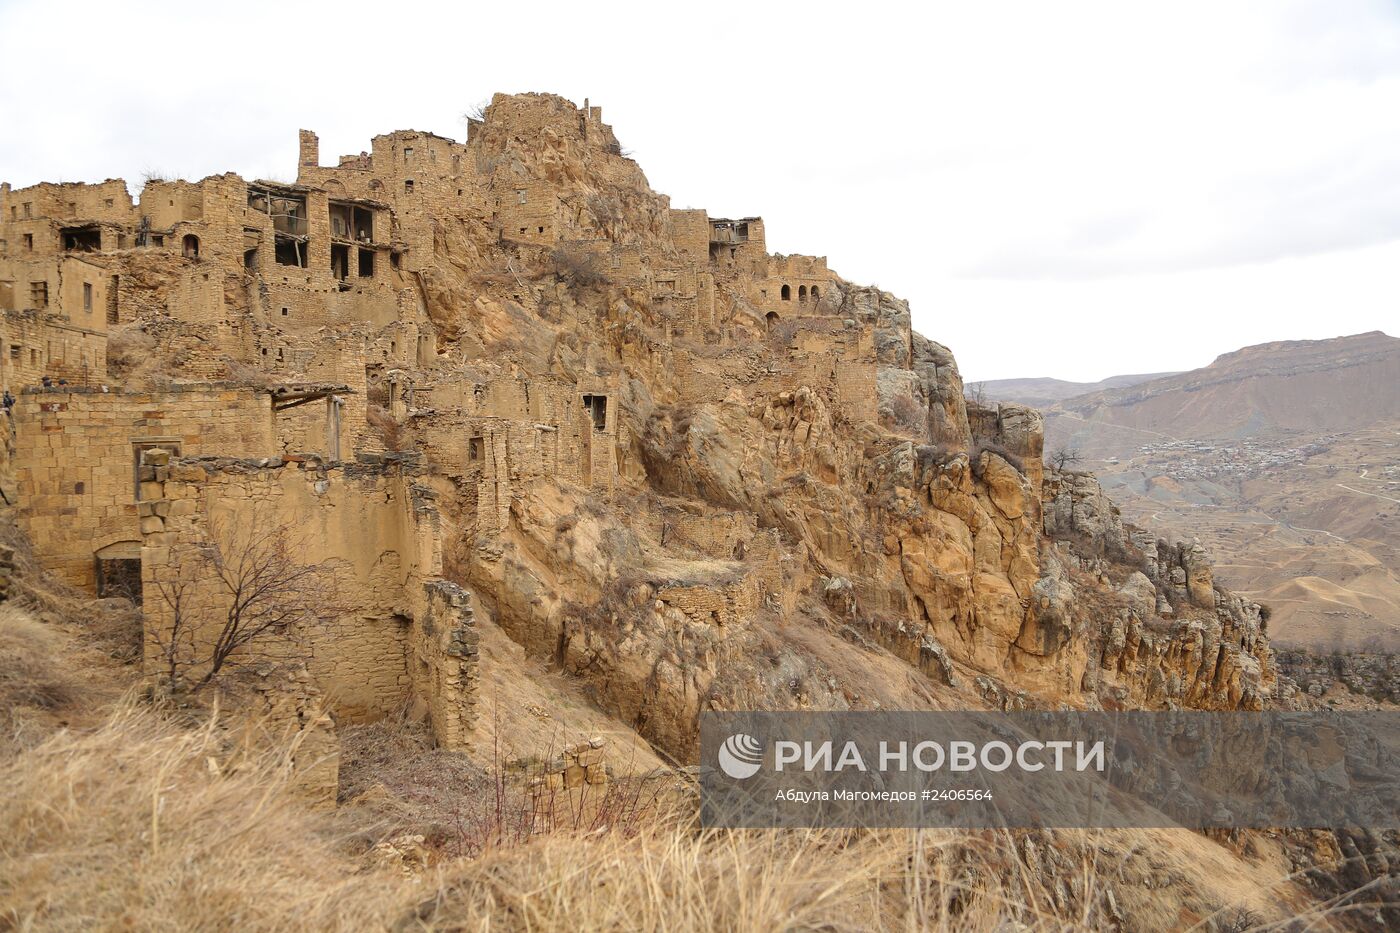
(396, 635)
(76, 453)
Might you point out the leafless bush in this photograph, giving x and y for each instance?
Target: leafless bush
(1065, 457)
(242, 584)
(390, 431)
(576, 267)
(245, 374)
(908, 414)
(127, 348)
(607, 212)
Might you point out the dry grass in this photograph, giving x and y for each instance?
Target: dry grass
(146, 824)
(130, 817)
(138, 825)
(142, 824)
(31, 674)
(391, 432)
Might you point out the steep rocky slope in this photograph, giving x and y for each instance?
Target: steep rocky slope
(772, 543)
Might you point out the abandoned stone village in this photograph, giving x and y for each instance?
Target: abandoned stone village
(503, 383)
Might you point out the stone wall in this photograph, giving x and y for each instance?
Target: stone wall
(397, 634)
(75, 461)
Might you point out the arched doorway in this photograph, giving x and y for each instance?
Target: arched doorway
(190, 246)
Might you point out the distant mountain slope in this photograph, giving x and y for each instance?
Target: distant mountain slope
(1297, 385)
(1046, 391)
(1284, 458)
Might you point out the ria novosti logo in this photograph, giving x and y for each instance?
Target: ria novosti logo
(741, 756)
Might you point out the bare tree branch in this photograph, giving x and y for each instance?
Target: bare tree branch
(265, 589)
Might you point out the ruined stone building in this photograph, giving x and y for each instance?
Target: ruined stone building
(502, 381)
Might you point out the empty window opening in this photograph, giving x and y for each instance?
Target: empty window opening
(290, 252)
(158, 240)
(87, 296)
(28, 210)
(107, 202)
(772, 318)
(542, 230)
(250, 259)
(408, 186)
(288, 211)
(340, 261)
(407, 153)
(597, 406)
(366, 263)
(285, 312)
(787, 293)
(802, 293)
(341, 222)
(39, 295)
(15, 351)
(33, 357)
(476, 448)
(394, 260)
(190, 246)
(362, 222)
(816, 293)
(29, 242)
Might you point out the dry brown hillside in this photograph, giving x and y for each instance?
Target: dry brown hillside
(1284, 460)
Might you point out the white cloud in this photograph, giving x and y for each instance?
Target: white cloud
(1068, 189)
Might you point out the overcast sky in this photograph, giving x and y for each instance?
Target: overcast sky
(1059, 189)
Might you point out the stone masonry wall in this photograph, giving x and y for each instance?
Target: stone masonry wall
(76, 455)
(400, 636)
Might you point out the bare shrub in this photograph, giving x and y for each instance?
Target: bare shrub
(248, 375)
(1065, 457)
(909, 415)
(390, 431)
(576, 266)
(994, 448)
(127, 348)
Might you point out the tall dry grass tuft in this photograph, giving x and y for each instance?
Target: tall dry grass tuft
(145, 825)
(31, 674)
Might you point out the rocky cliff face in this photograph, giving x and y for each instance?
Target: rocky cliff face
(773, 544)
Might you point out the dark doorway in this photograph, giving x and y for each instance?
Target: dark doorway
(340, 261)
